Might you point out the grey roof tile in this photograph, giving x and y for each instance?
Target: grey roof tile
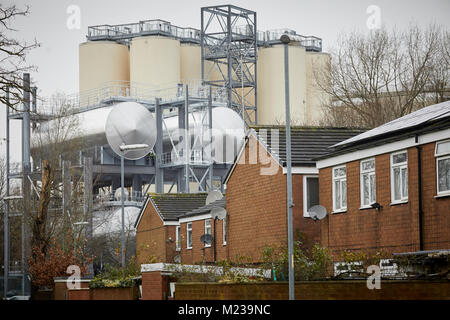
(307, 143)
(172, 205)
(205, 209)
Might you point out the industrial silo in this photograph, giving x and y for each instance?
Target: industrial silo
(154, 62)
(190, 62)
(317, 76)
(271, 91)
(102, 63)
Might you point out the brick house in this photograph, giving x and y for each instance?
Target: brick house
(170, 225)
(157, 222)
(195, 223)
(256, 188)
(389, 188)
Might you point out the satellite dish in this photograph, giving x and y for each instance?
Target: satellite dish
(206, 238)
(118, 194)
(317, 212)
(177, 259)
(218, 213)
(130, 123)
(213, 196)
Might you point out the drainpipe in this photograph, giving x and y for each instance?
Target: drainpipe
(419, 186)
(215, 240)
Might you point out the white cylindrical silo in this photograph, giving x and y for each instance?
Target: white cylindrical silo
(190, 62)
(271, 91)
(100, 63)
(155, 61)
(90, 127)
(317, 76)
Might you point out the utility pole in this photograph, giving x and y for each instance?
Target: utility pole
(285, 40)
(6, 211)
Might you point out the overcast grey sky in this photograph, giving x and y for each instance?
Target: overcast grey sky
(57, 58)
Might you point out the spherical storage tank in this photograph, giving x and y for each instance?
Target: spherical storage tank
(101, 62)
(155, 61)
(271, 91)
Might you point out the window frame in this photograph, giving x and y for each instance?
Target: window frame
(342, 209)
(210, 230)
(401, 166)
(178, 238)
(440, 156)
(305, 194)
(371, 172)
(189, 230)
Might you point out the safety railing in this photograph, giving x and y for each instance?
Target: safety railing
(128, 90)
(273, 36)
(165, 28)
(115, 195)
(174, 158)
(141, 28)
(16, 168)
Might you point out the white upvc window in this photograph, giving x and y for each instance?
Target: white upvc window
(178, 238)
(208, 229)
(442, 154)
(367, 182)
(339, 189)
(224, 230)
(189, 235)
(399, 177)
(310, 193)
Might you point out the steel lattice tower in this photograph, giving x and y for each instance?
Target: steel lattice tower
(229, 55)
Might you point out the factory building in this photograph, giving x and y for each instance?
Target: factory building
(188, 83)
(158, 55)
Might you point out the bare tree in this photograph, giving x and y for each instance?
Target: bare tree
(54, 141)
(377, 77)
(13, 55)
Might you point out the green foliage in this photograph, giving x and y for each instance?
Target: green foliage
(117, 277)
(314, 265)
(232, 274)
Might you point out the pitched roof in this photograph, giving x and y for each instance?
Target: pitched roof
(427, 115)
(205, 209)
(172, 205)
(428, 119)
(307, 143)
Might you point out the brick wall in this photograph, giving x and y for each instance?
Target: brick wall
(152, 236)
(155, 286)
(436, 219)
(256, 205)
(395, 228)
(79, 294)
(194, 255)
(315, 290)
(60, 290)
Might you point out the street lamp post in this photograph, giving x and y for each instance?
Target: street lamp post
(124, 148)
(286, 40)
